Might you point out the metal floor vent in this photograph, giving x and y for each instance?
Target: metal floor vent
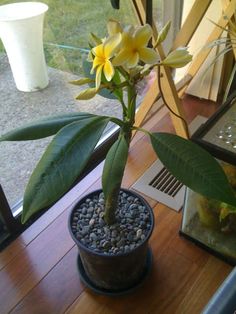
(159, 184)
(165, 182)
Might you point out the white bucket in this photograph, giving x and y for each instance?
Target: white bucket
(21, 31)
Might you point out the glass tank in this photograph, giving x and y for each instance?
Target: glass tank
(201, 216)
(201, 222)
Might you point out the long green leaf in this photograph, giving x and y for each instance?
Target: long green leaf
(44, 127)
(64, 159)
(193, 166)
(114, 167)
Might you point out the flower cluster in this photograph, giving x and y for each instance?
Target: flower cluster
(126, 52)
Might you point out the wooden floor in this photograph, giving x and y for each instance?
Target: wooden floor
(38, 272)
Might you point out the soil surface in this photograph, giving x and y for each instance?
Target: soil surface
(132, 228)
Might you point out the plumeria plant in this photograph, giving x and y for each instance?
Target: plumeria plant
(118, 64)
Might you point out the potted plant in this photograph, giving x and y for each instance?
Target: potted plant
(120, 62)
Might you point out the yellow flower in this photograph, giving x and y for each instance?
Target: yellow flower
(134, 48)
(114, 27)
(103, 53)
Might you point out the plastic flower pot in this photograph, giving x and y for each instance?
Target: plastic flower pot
(113, 274)
(21, 31)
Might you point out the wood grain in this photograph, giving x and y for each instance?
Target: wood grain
(215, 34)
(39, 274)
(210, 276)
(33, 263)
(56, 291)
(11, 251)
(172, 276)
(191, 23)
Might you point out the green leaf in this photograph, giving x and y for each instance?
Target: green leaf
(177, 58)
(162, 34)
(63, 161)
(114, 167)
(193, 166)
(82, 81)
(43, 127)
(86, 94)
(226, 29)
(118, 92)
(94, 40)
(218, 42)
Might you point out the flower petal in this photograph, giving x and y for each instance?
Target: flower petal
(130, 29)
(142, 35)
(108, 70)
(127, 40)
(121, 57)
(98, 51)
(111, 44)
(133, 60)
(148, 55)
(96, 62)
(113, 27)
(98, 76)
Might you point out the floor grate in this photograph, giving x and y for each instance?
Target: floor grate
(159, 184)
(165, 182)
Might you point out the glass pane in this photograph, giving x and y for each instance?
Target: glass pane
(67, 26)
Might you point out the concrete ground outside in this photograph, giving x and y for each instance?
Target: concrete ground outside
(17, 159)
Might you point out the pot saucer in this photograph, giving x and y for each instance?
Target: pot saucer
(84, 278)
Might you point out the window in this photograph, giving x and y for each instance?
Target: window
(67, 26)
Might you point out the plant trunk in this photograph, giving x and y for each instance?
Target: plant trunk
(112, 200)
(110, 207)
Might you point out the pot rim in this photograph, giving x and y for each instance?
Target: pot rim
(81, 245)
(21, 11)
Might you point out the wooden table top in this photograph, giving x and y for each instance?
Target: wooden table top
(38, 271)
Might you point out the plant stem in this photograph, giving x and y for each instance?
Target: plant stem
(131, 103)
(112, 198)
(110, 208)
(165, 103)
(141, 129)
(117, 121)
